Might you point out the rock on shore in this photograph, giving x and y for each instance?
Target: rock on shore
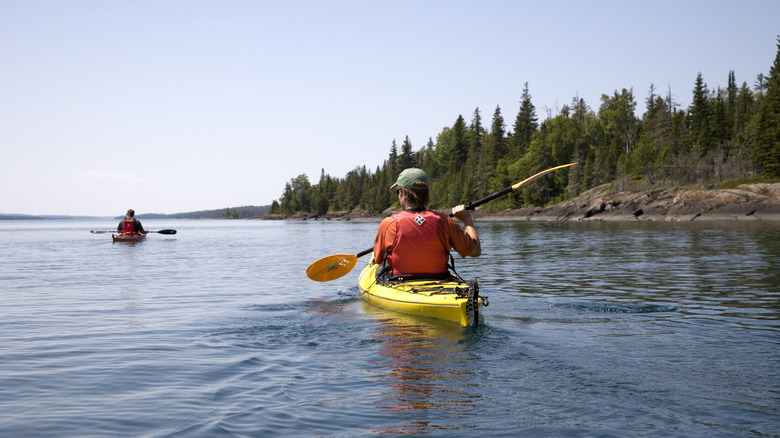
(749, 202)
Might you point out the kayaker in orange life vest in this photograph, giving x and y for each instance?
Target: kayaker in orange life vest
(130, 224)
(417, 240)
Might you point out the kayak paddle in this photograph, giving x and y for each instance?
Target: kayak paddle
(336, 266)
(112, 231)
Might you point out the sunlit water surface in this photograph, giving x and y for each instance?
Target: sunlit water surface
(593, 329)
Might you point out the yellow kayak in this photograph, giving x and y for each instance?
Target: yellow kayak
(450, 299)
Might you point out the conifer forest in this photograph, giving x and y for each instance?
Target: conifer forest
(726, 134)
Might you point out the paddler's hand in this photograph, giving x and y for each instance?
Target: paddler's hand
(460, 213)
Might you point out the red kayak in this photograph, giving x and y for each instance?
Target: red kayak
(128, 237)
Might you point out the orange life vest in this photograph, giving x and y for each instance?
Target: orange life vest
(420, 246)
(128, 226)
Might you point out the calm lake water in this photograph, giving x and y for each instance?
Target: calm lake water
(593, 330)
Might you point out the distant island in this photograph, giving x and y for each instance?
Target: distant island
(31, 217)
(245, 212)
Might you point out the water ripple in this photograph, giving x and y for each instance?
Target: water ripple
(594, 329)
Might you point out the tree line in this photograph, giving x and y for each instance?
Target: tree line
(245, 212)
(725, 134)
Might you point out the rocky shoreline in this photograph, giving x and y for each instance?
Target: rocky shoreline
(748, 202)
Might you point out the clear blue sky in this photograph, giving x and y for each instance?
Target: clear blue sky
(172, 106)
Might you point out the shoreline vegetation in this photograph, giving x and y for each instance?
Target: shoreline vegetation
(745, 202)
(742, 202)
(669, 163)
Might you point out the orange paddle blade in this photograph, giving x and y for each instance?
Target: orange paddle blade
(331, 267)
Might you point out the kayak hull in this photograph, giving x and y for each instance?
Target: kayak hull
(128, 237)
(447, 300)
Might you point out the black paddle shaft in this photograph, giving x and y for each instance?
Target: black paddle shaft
(488, 198)
(470, 206)
(502, 192)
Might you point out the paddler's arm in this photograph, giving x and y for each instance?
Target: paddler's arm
(385, 236)
(459, 212)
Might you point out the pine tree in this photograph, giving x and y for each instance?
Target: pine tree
(720, 129)
(621, 129)
(588, 128)
(655, 128)
(732, 94)
(393, 159)
(320, 200)
(476, 133)
(497, 149)
(744, 109)
(407, 158)
(425, 160)
(579, 108)
(525, 125)
(475, 170)
(460, 145)
(699, 114)
(765, 125)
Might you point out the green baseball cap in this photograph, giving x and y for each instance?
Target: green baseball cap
(408, 177)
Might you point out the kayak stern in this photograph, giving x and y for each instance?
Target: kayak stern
(441, 299)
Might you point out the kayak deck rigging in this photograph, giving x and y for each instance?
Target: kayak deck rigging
(451, 299)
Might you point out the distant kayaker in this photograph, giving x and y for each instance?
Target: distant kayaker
(130, 224)
(417, 240)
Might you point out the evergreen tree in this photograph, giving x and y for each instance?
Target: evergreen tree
(497, 148)
(744, 109)
(720, 130)
(589, 135)
(393, 159)
(407, 158)
(621, 129)
(286, 201)
(554, 143)
(765, 126)
(297, 196)
(732, 94)
(700, 137)
(475, 171)
(655, 129)
(425, 159)
(525, 125)
(460, 147)
(476, 132)
(579, 109)
(321, 194)
(674, 144)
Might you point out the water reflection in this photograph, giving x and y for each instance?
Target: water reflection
(728, 272)
(426, 376)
